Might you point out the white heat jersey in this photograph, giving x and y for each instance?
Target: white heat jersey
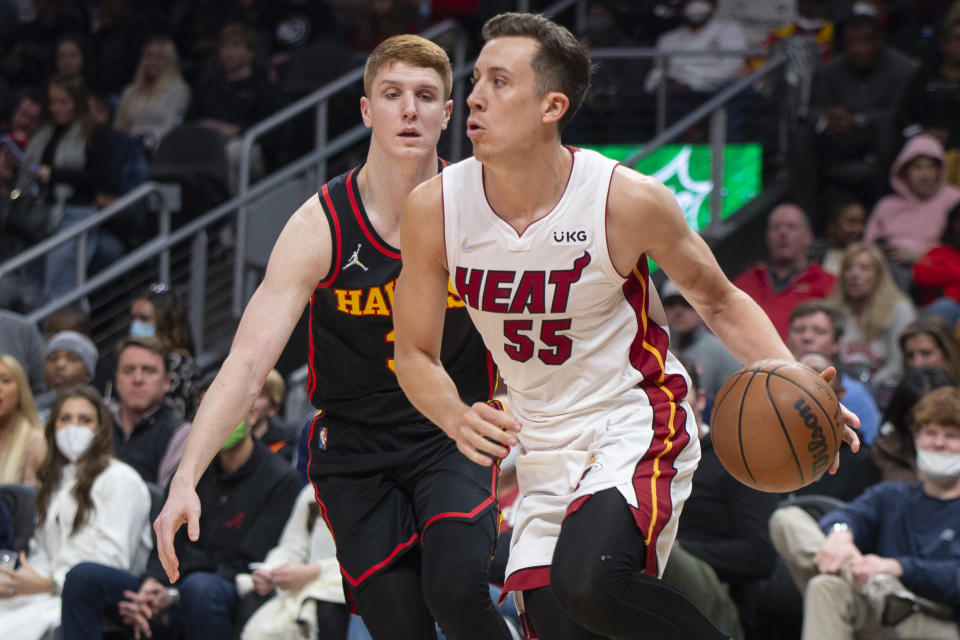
(568, 332)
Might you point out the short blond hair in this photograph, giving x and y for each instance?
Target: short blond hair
(414, 50)
(274, 388)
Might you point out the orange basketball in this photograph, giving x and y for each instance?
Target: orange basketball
(776, 425)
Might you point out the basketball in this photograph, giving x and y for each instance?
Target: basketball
(776, 425)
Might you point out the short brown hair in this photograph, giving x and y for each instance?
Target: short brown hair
(561, 64)
(238, 31)
(815, 306)
(940, 406)
(943, 338)
(414, 50)
(155, 345)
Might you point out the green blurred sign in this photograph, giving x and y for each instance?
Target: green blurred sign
(685, 170)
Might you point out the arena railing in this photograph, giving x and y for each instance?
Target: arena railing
(165, 199)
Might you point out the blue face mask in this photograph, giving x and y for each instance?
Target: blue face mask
(142, 329)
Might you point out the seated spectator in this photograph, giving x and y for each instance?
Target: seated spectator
(301, 578)
(808, 40)
(234, 95)
(929, 342)
(893, 451)
(847, 136)
(930, 101)
(701, 31)
(937, 272)
(157, 99)
(73, 56)
(265, 423)
(816, 327)
(909, 223)
(71, 359)
(26, 57)
(144, 426)
(246, 494)
(722, 541)
(69, 318)
(846, 220)
(889, 558)
(690, 337)
(24, 122)
(73, 160)
(22, 447)
(856, 471)
(159, 311)
(876, 313)
(790, 276)
(21, 339)
(90, 508)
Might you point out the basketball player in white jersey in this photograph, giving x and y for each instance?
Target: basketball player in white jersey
(547, 246)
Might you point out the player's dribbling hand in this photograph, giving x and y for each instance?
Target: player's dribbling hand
(182, 507)
(850, 422)
(485, 433)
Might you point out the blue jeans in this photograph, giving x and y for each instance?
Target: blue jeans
(60, 269)
(92, 592)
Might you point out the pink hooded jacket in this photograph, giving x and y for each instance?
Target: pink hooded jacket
(904, 217)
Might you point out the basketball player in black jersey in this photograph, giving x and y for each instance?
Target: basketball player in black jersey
(414, 521)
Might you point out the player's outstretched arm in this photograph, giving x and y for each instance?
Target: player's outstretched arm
(645, 217)
(419, 306)
(300, 259)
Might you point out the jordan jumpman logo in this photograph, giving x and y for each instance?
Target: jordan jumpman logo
(355, 259)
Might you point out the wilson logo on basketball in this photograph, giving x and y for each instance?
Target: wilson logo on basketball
(818, 441)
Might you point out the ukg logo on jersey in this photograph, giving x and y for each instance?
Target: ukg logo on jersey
(569, 237)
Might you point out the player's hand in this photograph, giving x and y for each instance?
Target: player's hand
(864, 567)
(182, 507)
(484, 433)
(836, 551)
(850, 422)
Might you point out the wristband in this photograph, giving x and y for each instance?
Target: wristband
(174, 594)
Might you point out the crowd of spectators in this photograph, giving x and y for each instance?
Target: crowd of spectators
(862, 272)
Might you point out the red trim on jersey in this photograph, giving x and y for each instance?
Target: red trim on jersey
(311, 353)
(576, 504)
(655, 471)
(316, 491)
(491, 375)
(606, 208)
(525, 580)
(363, 225)
(480, 508)
(335, 220)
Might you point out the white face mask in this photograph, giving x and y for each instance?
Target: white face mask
(698, 11)
(73, 441)
(940, 468)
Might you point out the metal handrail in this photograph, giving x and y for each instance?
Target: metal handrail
(117, 207)
(708, 107)
(164, 242)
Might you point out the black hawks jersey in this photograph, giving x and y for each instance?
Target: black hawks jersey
(351, 373)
